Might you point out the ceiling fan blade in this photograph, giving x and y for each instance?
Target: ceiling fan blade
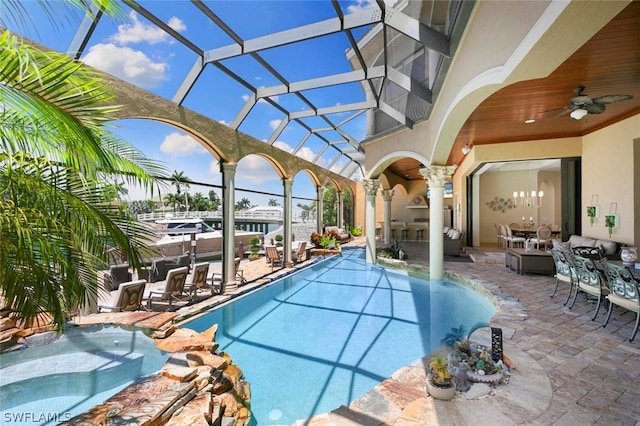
(564, 111)
(609, 99)
(595, 108)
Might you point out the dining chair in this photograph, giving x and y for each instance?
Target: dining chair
(590, 252)
(624, 291)
(565, 272)
(590, 281)
(513, 241)
(543, 237)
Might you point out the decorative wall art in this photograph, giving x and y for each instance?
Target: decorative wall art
(592, 213)
(501, 204)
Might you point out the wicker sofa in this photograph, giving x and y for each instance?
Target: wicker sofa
(609, 249)
(452, 242)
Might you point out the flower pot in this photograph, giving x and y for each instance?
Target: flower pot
(484, 378)
(442, 393)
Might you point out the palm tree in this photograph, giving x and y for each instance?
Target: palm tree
(55, 157)
(243, 204)
(181, 181)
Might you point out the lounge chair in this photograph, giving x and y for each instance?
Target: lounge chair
(198, 279)
(273, 256)
(161, 267)
(300, 254)
(173, 290)
(216, 279)
(128, 298)
(116, 275)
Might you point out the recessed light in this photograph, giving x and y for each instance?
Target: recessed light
(529, 121)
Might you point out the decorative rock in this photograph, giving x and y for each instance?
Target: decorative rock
(230, 403)
(184, 340)
(7, 323)
(243, 390)
(478, 390)
(193, 413)
(198, 358)
(223, 385)
(234, 372)
(181, 374)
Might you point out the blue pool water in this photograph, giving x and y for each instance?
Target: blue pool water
(48, 384)
(325, 336)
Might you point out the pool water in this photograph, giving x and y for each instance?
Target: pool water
(322, 337)
(49, 384)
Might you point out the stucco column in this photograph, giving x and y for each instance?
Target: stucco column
(319, 209)
(340, 213)
(371, 188)
(387, 196)
(228, 227)
(436, 177)
(288, 185)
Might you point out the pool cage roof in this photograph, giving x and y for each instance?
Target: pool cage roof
(330, 80)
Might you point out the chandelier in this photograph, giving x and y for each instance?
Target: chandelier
(528, 199)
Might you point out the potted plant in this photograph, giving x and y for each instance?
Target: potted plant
(592, 213)
(279, 239)
(440, 384)
(254, 248)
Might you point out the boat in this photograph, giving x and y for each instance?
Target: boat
(178, 236)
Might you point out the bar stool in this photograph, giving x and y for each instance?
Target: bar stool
(405, 234)
(419, 234)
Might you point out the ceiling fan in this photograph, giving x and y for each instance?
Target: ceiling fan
(581, 104)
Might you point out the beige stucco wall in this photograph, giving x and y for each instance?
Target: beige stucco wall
(609, 172)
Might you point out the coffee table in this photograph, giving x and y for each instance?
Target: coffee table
(529, 262)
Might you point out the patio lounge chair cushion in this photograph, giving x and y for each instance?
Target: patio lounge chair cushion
(172, 291)
(116, 275)
(198, 279)
(128, 297)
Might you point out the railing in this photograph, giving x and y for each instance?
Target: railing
(264, 215)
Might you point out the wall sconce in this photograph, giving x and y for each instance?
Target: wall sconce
(578, 113)
(466, 149)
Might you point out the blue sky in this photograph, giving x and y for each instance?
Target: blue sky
(137, 51)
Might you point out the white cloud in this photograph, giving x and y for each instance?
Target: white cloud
(274, 124)
(306, 154)
(180, 144)
(128, 64)
(366, 4)
(283, 146)
(256, 169)
(223, 122)
(137, 31)
(245, 98)
(214, 167)
(177, 24)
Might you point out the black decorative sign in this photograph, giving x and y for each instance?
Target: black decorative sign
(496, 344)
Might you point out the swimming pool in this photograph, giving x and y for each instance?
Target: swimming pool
(48, 384)
(325, 336)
